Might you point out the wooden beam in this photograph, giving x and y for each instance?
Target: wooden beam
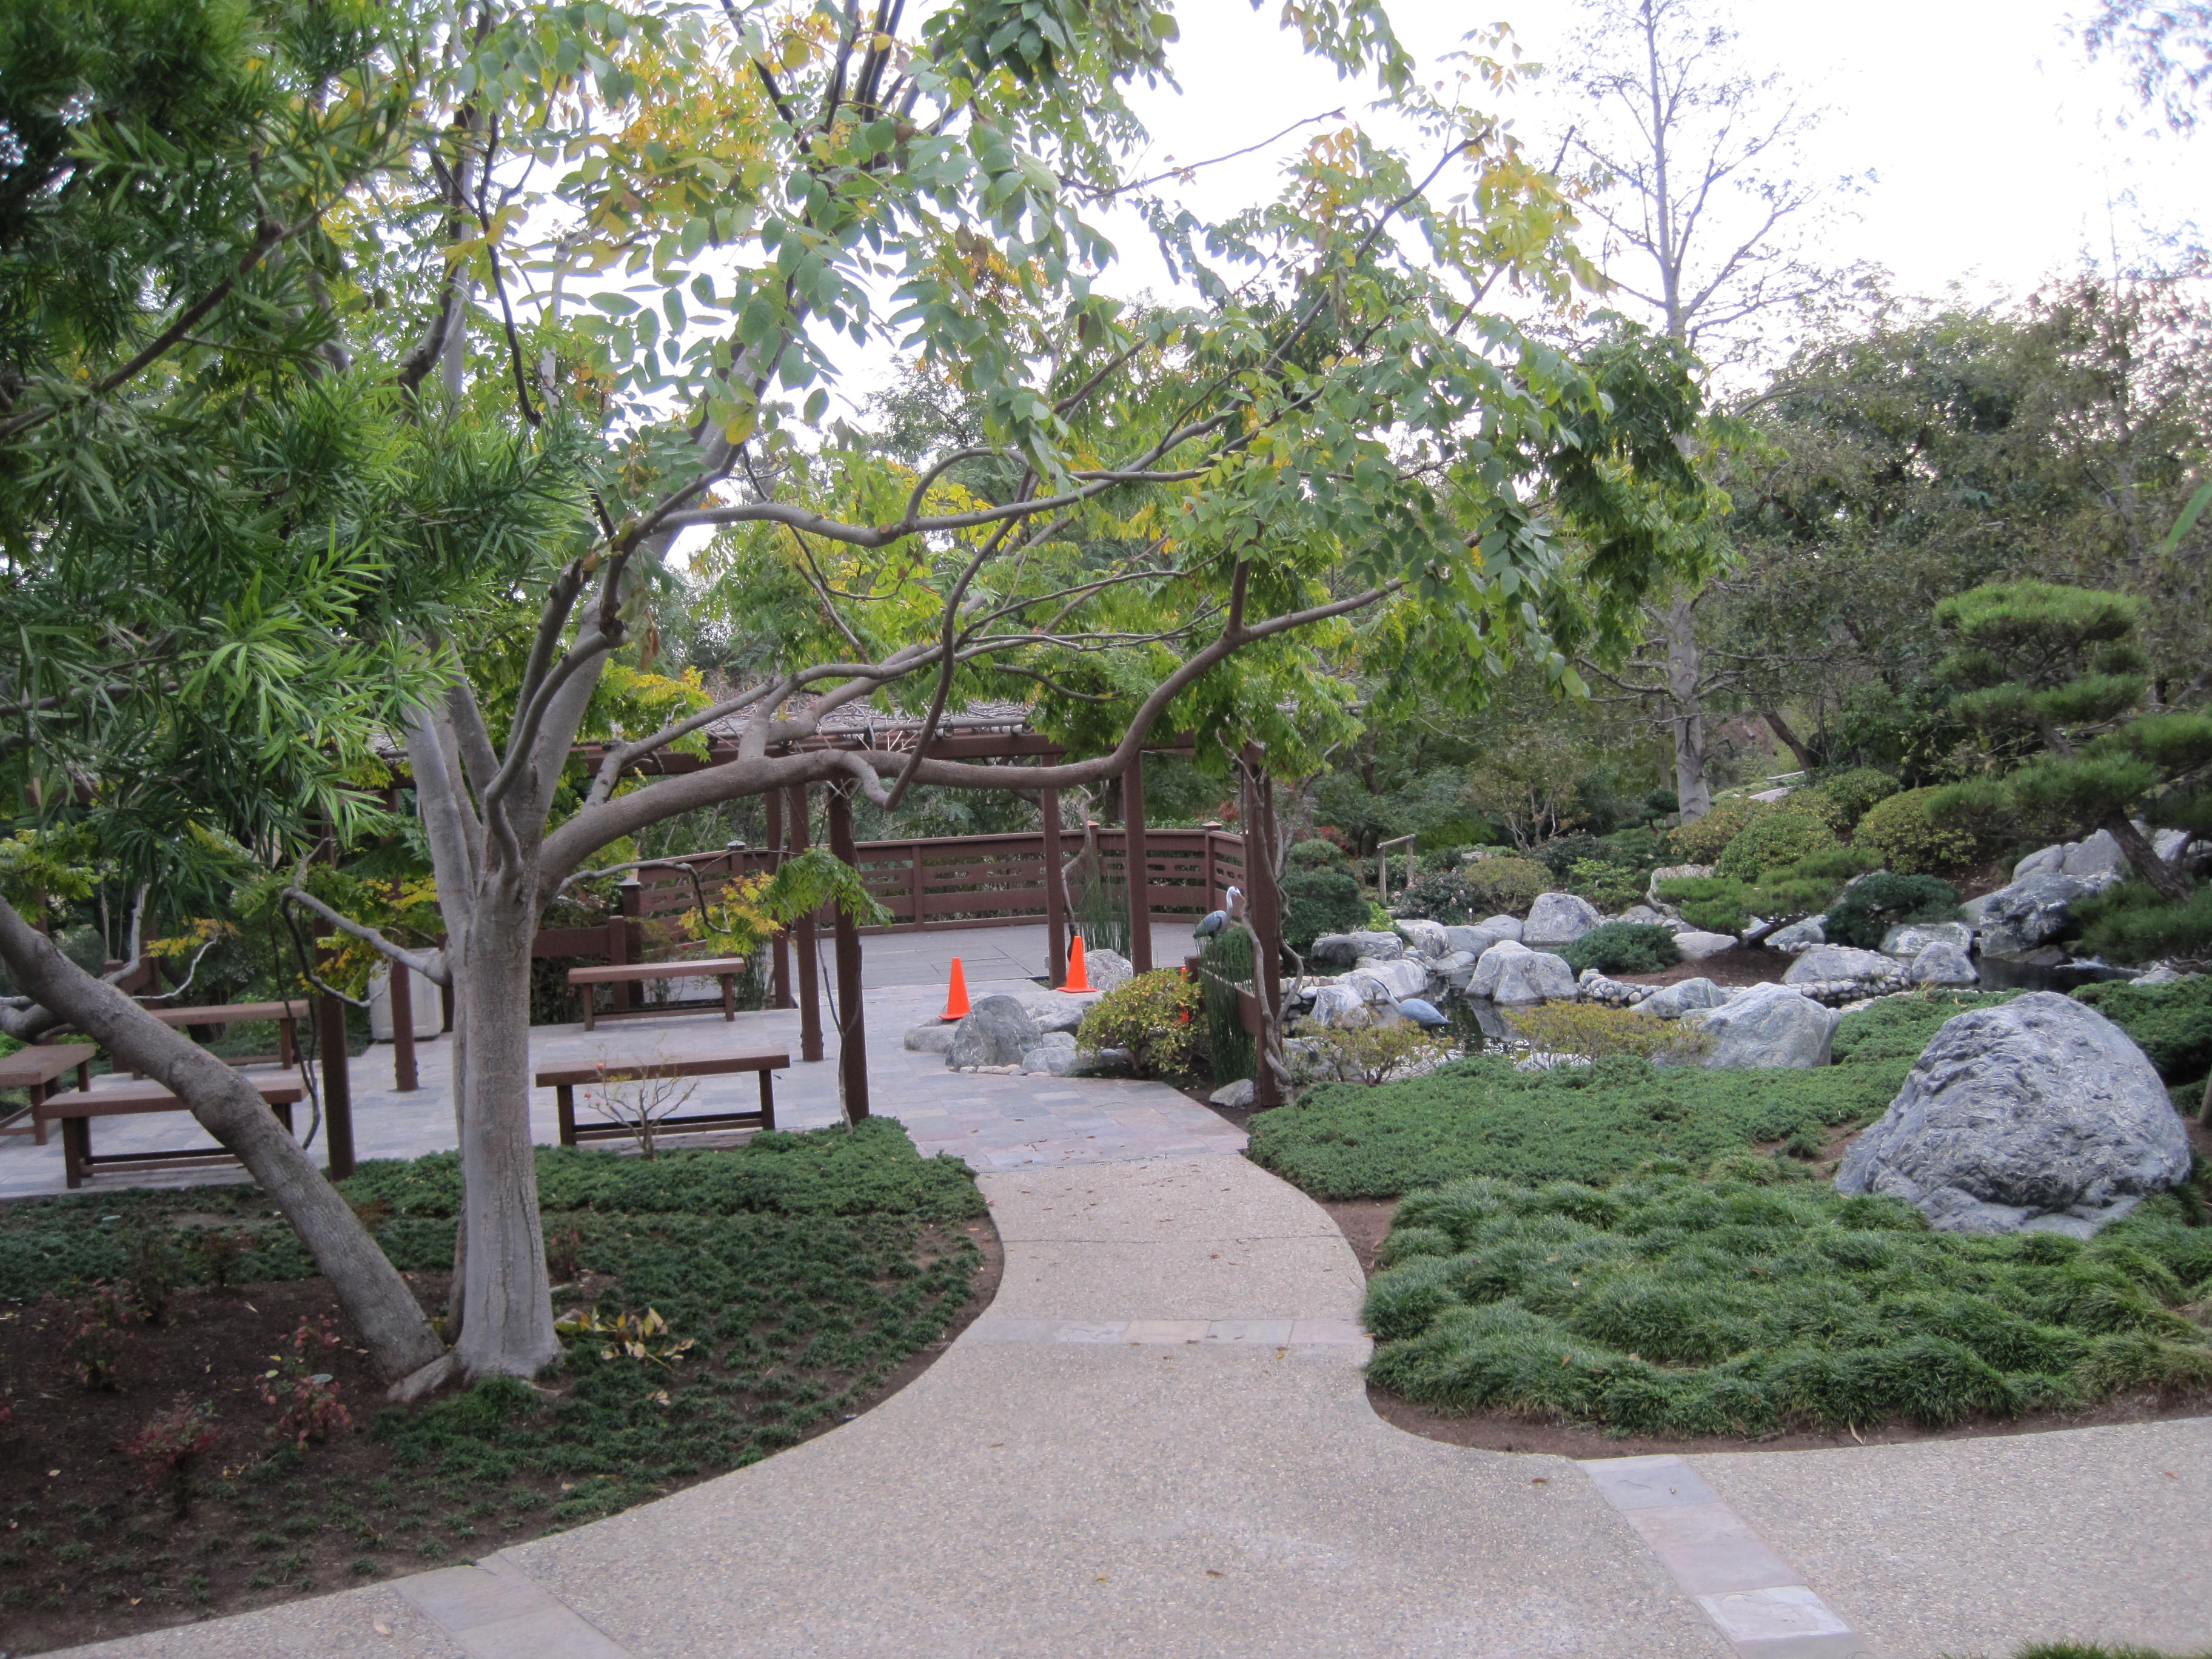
(852, 1020)
(802, 938)
(1136, 861)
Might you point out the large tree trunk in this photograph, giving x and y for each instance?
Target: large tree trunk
(1685, 713)
(505, 1295)
(400, 1338)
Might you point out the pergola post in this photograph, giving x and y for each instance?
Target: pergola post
(852, 1022)
(780, 948)
(1137, 864)
(803, 941)
(402, 982)
(1055, 898)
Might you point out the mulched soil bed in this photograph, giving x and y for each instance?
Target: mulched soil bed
(89, 1553)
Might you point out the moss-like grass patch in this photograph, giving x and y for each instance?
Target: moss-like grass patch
(1762, 1299)
(1593, 1123)
(798, 1275)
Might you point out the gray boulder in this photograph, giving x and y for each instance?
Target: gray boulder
(1909, 939)
(1235, 1095)
(1798, 935)
(1386, 981)
(1503, 927)
(1057, 1013)
(1108, 968)
(1942, 962)
(1696, 946)
(1456, 969)
(1684, 996)
(1834, 961)
(998, 1032)
(1476, 940)
(1641, 914)
(1558, 919)
(931, 1037)
(1333, 953)
(2039, 1114)
(1766, 1027)
(1056, 1055)
(1337, 1005)
(1513, 973)
(2014, 919)
(1427, 938)
(1383, 947)
(2043, 861)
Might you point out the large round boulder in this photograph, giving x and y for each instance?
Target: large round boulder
(2016, 920)
(1684, 996)
(998, 1032)
(1824, 963)
(1558, 919)
(2038, 1114)
(1512, 973)
(1766, 1027)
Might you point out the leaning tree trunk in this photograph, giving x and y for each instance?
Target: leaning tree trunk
(1686, 712)
(399, 1336)
(2169, 882)
(504, 1294)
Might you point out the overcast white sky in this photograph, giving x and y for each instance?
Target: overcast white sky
(1992, 139)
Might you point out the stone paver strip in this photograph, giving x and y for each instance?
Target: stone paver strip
(1755, 1599)
(495, 1611)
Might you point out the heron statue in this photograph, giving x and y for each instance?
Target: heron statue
(1423, 1013)
(1212, 923)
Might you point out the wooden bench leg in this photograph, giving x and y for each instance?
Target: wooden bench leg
(585, 992)
(729, 996)
(287, 1043)
(566, 1095)
(767, 1100)
(38, 1094)
(283, 1111)
(77, 1148)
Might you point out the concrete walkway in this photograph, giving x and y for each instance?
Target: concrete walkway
(1156, 1442)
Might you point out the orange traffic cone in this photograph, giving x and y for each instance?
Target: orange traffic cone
(1079, 978)
(955, 994)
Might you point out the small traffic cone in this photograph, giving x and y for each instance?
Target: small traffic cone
(955, 994)
(1079, 978)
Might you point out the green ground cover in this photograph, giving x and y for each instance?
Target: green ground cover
(1480, 1117)
(1761, 1299)
(792, 1274)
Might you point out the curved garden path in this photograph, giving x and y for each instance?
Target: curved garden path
(1157, 1442)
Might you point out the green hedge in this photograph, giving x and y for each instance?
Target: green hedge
(2172, 1022)
(1625, 947)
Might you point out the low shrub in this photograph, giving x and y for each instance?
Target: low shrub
(1321, 900)
(1623, 947)
(2172, 1023)
(1505, 886)
(1608, 886)
(1317, 854)
(1770, 841)
(1227, 964)
(1895, 1028)
(1154, 1017)
(1703, 839)
(1898, 831)
(1593, 1030)
(1371, 1054)
(1593, 1123)
(1717, 904)
(1842, 799)
(2132, 922)
(1434, 895)
(1762, 1299)
(1884, 899)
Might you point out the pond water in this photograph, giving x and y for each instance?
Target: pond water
(2007, 974)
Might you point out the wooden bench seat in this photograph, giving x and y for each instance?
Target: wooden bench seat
(726, 969)
(286, 1015)
(565, 1080)
(76, 1110)
(32, 1069)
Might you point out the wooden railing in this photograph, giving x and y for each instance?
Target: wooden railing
(961, 881)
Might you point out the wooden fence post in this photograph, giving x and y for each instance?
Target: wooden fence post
(1055, 901)
(1266, 906)
(1137, 864)
(337, 1078)
(852, 1022)
(780, 949)
(803, 940)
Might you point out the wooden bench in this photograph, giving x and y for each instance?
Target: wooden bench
(565, 1080)
(32, 1069)
(287, 1016)
(726, 969)
(75, 1111)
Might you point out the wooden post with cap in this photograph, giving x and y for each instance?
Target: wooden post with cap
(852, 1020)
